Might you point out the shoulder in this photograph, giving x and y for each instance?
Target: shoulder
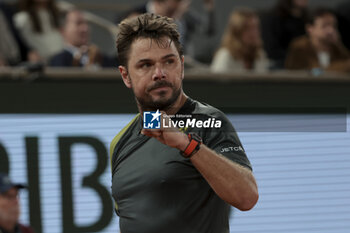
(224, 139)
(122, 133)
(206, 111)
(222, 61)
(61, 58)
(223, 52)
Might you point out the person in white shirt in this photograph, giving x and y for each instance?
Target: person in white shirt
(38, 23)
(241, 47)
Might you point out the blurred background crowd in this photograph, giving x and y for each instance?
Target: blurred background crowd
(283, 35)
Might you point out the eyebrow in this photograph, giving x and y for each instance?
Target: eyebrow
(168, 56)
(163, 58)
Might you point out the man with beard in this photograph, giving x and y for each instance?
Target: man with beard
(9, 207)
(171, 179)
(321, 48)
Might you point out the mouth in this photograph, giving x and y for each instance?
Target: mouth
(160, 89)
(160, 86)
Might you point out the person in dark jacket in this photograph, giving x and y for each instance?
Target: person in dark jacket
(321, 48)
(78, 51)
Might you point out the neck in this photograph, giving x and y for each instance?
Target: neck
(171, 109)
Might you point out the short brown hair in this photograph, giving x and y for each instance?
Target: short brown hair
(318, 13)
(146, 25)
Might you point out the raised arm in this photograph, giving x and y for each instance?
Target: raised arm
(232, 182)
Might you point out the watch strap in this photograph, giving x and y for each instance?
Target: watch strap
(193, 146)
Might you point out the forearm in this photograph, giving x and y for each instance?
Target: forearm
(232, 182)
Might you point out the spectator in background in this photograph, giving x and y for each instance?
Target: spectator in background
(10, 207)
(241, 47)
(189, 22)
(285, 22)
(321, 48)
(13, 49)
(38, 23)
(77, 50)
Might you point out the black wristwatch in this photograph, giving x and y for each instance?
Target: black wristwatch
(193, 146)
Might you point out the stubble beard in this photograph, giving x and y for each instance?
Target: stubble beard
(147, 103)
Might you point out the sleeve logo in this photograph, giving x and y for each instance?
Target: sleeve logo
(231, 148)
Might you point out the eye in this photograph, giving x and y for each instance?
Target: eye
(170, 61)
(145, 65)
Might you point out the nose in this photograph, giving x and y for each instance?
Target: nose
(158, 73)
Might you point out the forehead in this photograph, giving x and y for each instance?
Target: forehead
(147, 48)
(74, 16)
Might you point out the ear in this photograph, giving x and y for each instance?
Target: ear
(125, 76)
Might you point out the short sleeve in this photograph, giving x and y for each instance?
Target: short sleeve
(225, 141)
